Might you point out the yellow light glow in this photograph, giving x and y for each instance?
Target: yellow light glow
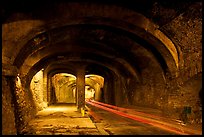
(18, 82)
(89, 93)
(66, 74)
(57, 108)
(97, 78)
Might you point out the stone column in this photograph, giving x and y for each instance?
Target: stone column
(80, 88)
(48, 90)
(45, 86)
(106, 94)
(119, 97)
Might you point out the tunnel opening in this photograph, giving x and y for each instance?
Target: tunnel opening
(63, 89)
(94, 87)
(147, 58)
(113, 90)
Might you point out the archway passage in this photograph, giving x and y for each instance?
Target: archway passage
(148, 53)
(63, 88)
(94, 87)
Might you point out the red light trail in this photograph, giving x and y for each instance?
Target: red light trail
(124, 109)
(120, 111)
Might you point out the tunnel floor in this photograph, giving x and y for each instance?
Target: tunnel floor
(64, 119)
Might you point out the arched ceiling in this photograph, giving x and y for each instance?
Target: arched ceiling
(114, 36)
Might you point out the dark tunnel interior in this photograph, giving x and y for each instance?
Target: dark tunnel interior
(87, 56)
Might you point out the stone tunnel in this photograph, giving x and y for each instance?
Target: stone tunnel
(146, 53)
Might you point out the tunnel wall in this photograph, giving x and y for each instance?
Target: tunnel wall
(67, 94)
(63, 93)
(18, 107)
(36, 87)
(97, 89)
(167, 95)
(186, 95)
(185, 31)
(173, 94)
(26, 108)
(151, 91)
(8, 114)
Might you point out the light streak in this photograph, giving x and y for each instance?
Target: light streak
(125, 109)
(137, 118)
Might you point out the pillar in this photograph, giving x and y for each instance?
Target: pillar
(107, 90)
(118, 94)
(49, 90)
(45, 86)
(80, 88)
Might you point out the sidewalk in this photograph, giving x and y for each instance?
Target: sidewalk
(62, 119)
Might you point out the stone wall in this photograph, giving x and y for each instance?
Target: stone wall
(36, 87)
(156, 90)
(186, 32)
(151, 91)
(187, 95)
(8, 115)
(63, 92)
(25, 106)
(174, 94)
(171, 96)
(18, 107)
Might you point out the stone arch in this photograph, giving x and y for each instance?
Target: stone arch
(129, 21)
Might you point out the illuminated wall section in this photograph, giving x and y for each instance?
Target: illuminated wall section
(36, 87)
